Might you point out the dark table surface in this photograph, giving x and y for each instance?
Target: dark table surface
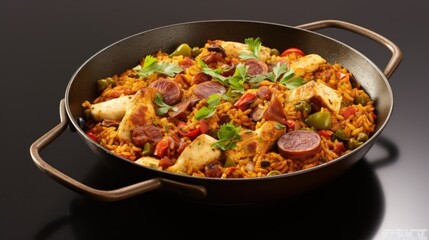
(384, 196)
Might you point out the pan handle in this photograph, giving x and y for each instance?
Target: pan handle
(188, 190)
(396, 52)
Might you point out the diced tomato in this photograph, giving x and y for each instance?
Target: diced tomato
(161, 147)
(338, 147)
(204, 126)
(340, 75)
(325, 133)
(290, 124)
(92, 136)
(349, 112)
(288, 51)
(245, 100)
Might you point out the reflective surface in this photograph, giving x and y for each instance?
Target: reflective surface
(43, 43)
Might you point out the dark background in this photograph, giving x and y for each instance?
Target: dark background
(42, 43)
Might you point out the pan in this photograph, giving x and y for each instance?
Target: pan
(127, 52)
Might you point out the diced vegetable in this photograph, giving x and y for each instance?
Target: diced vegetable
(319, 120)
(182, 50)
(288, 51)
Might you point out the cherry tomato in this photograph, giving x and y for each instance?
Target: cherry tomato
(288, 51)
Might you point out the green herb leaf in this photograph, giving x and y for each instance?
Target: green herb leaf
(259, 78)
(169, 69)
(237, 80)
(214, 100)
(280, 126)
(206, 112)
(162, 108)
(254, 46)
(151, 65)
(228, 136)
(285, 76)
(294, 82)
(279, 69)
(216, 74)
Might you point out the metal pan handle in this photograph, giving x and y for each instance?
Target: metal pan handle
(189, 190)
(396, 52)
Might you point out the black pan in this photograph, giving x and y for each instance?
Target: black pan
(127, 53)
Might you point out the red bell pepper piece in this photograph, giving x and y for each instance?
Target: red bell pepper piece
(245, 100)
(161, 147)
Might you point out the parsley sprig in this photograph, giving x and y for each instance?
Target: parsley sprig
(286, 76)
(162, 107)
(152, 65)
(216, 74)
(228, 136)
(254, 46)
(206, 112)
(280, 74)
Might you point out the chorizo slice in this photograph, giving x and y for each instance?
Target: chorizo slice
(182, 107)
(205, 89)
(256, 67)
(299, 144)
(169, 90)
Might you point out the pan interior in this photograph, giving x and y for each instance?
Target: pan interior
(127, 53)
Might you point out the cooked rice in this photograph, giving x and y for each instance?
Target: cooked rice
(362, 121)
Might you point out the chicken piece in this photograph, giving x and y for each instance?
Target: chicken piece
(113, 109)
(196, 155)
(140, 111)
(317, 92)
(148, 161)
(256, 142)
(307, 64)
(234, 49)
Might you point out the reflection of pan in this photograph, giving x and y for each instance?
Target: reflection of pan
(127, 52)
(354, 204)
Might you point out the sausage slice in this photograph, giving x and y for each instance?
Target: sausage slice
(205, 89)
(299, 144)
(256, 67)
(169, 90)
